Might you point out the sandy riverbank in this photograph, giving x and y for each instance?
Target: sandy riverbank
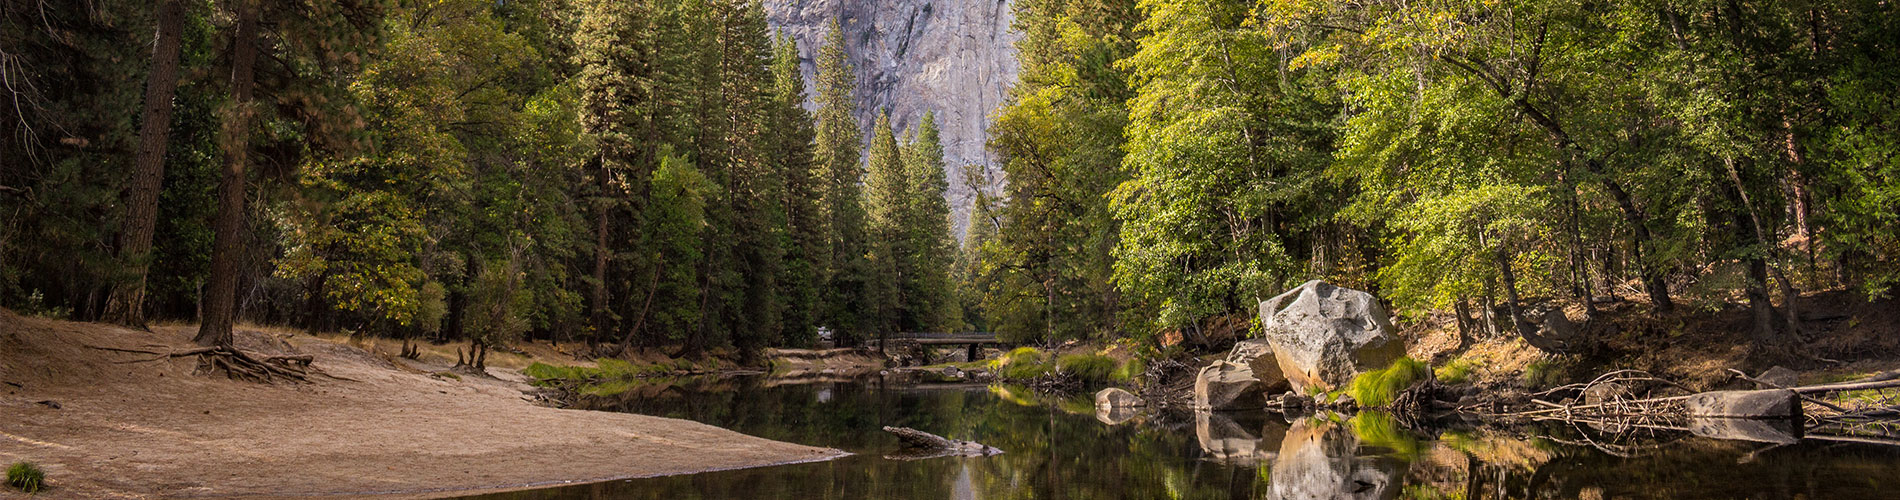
(144, 430)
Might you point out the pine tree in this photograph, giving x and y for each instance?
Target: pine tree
(806, 247)
(611, 51)
(927, 231)
(887, 200)
(847, 278)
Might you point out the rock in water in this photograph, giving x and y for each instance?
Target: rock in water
(1324, 335)
(1773, 403)
(1116, 398)
(1320, 460)
(1228, 386)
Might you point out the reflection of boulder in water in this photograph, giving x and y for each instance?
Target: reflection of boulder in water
(1319, 460)
(1235, 438)
(1115, 415)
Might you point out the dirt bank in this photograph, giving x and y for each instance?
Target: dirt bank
(393, 428)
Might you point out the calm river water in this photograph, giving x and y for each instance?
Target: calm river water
(1063, 449)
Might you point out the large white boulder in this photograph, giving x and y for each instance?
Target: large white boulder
(1324, 335)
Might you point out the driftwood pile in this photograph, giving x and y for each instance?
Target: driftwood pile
(1774, 413)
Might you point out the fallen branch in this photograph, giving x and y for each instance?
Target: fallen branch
(236, 364)
(916, 439)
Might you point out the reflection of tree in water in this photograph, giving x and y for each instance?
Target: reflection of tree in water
(1056, 449)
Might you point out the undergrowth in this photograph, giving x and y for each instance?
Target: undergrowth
(1377, 388)
(26, 476)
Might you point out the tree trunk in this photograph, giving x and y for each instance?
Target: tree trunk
(598, 316)
(1748, 227)
(1464, 322)
(313, 305)
(126, 306)
(1510, 291)
(220, 299)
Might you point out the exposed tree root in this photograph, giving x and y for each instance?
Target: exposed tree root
(234, 363)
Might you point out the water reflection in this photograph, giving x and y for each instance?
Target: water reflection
(1065, 448)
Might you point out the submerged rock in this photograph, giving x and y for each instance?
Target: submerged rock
(919, 445)
(1773, 403)
(1324, 335)
(1228, 386)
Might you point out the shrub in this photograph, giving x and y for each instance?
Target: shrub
(1456, 372)
(26, 476)
(1377, 388)
(1131, 370)
(1088, 367)
(1542, 373)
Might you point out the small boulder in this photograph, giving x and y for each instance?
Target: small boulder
(1606, 392)
(1257, 354)
(1324, 335)
(1228, 386)
(1779, 376)
(1773, 403)
(1294, 401)
(1116, 398)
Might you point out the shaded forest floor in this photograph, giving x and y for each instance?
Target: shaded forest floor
(389, 427)
(1843, 335)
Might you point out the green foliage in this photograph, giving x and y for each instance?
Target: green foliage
(1022, 363)
(1543, 373)
(1456, 372)
(26, 476)
(1377, 388)
(1091, 368)
(1130, 371)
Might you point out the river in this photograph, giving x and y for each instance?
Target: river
(1061, 448)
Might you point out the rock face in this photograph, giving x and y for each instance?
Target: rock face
(954, 57)
(1324, 335)
(1228, 386)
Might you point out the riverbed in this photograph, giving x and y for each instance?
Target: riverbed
(1063, 448)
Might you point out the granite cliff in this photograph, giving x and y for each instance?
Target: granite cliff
(954, 57)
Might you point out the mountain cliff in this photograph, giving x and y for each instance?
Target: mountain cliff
(954, 57)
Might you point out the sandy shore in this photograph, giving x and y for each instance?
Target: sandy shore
(153, 430)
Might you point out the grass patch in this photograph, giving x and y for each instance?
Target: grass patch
(1130, 371)
(26, 476)
(1022, 364)
(1541, 374)
(1088, 367)
(1377, 388)
(1458, 371)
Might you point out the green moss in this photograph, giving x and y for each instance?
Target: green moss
(1377, 388)
(1024, 370)
(26, 476)
(1088, 367)
(1456, 372)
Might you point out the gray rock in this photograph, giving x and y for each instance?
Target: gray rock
(1605, 392)
(954, 57)
(1115, 415)
(1778, 431)
(1324, 335)
(1257, 354)
(1780, 376)
(1772, 403)
(1228, 386)
(1293, 400)
(1117, 398)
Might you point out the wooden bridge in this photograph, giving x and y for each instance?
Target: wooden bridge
(973, 341)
